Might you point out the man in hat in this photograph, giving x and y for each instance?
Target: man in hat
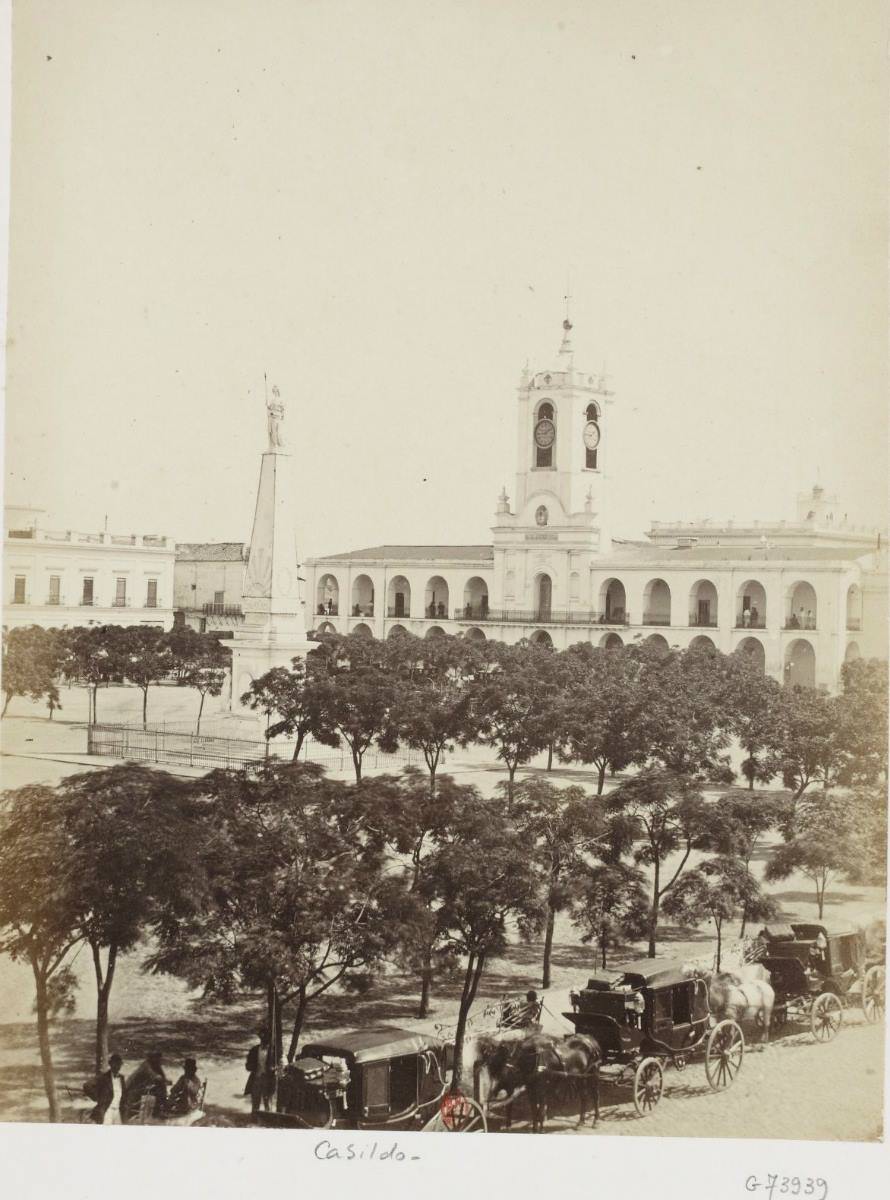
(147, 1080)
(108, 1094)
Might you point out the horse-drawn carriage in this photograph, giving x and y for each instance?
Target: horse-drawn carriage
(372, 1079)
(817, 972)
(650, 1014)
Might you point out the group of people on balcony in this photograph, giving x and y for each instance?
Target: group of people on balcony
(804, 618)
(751, 618)
(328, 609)
(436, 610)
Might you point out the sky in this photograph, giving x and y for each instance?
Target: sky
(382, 206)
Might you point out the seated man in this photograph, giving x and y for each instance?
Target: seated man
(147, 1080)
(185, 1095)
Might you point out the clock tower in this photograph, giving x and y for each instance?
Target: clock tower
(544, 543)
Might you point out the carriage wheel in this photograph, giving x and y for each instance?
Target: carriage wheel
(873, 988)
(648, 1086)
(459, 1113)
(826, 1017)
(723, 1055)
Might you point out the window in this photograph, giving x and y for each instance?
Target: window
(87, 596)
(120, 592)
(54, 589)
(219, 598)
(18, 593)
(151, 594)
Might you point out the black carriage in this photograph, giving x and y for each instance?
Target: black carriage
(648, 1015)
(370, 1079)
(817, 972)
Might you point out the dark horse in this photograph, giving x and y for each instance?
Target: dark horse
(543, 1066)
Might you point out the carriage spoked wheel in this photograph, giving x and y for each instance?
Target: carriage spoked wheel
(459, 1113)
(648, 1086)
(724, 1052)
(873, 992)
(826, 1017)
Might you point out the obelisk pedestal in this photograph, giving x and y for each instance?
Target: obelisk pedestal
(274, 629)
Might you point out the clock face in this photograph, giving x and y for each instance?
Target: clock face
(591, 435)
(545, 433)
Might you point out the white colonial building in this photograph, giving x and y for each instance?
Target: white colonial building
(62, 578)
(802, 595)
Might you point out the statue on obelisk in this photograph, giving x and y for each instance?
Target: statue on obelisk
(275, 412)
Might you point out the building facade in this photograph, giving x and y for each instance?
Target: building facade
(208, 581)
(62, 578)
(802, 596)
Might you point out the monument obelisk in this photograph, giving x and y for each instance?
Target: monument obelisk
(274, 629)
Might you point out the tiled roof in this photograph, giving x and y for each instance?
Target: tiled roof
(416, 554)
(210, 551)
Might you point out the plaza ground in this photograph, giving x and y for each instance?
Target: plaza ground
(792, 1089)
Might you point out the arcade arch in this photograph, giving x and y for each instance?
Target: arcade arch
(543, 597)
(611, 641)
(800, 606)
(613, 602)
(397, 631)
(657, 603)
(362, 630)
(398, 597)
(800, 664)
(327, 596)
(541, 638)
(754, 647)
(435, 631)
(362, 596)
(751, 606)
(658, 642)
(703, 605)
(853, 652)
(475, 635)
(854, 606)
(702, 642)
(326, 627)
(435, 598)
(476, 598)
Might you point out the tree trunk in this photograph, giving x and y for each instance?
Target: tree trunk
(471, 982)
(145, 708)
(653, 913)
(200, 712)
(6, 703)
(298, 745)
(103, 992)
(46, 1058)
(511, 775)
(548, 945)
(357, 764)
(426, 985)
(549, 756)
(601, 779)
(719, 942)
(299, 1017)
(603, 940)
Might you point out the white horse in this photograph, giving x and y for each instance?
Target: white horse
(744, 994)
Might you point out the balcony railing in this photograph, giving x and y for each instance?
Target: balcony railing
(26, 599)
(120, 602)
(401, 613)
(322, 610)
(362, 610)
(696, 622)
(87, 602)
(472, 612)
(221, 610)
(653, 618)
(431, 613)
(531, 616)
(808, 623)
(59, 599)
(751, 623)
(854, 623)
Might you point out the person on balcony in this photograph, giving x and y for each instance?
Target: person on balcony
(746, 618)
(755, 616)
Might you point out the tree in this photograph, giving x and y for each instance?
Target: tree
(32, 662)
(95, 655)
(611, 905)
(863, 722)
(823, 842)
(411, 818)
(715, 890)
(756, 718)
(560, 827)
(197, 660)
(660, 813)
(295, 899)
(810, 747)
(38, 925)
(353, 693)
(736, 826)
(131, 852)
(290, 695)
(147, 660)
(482, 876)
(513, 715)
(432, 703)
(601, 712)
(684, 709)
